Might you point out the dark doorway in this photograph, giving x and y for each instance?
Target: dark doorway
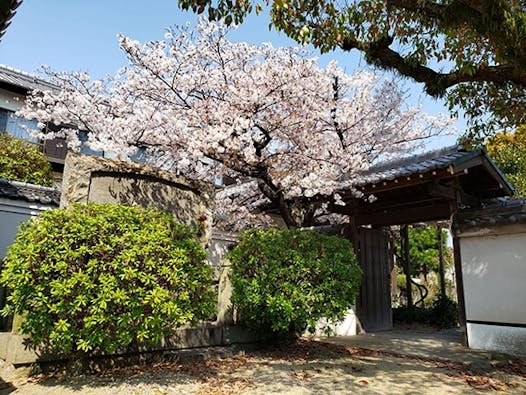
(374, 301)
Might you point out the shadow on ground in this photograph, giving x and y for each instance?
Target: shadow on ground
(6, 387)
(311, 367)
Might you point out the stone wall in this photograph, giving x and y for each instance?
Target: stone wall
(219, 245)
(91, 179)
(102, 180)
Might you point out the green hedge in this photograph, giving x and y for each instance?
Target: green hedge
(286, 280)
(100, 277)
(22, 161)
(442, 313)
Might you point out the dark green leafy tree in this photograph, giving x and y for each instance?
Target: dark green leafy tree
(508, 150)
(424, 259)
(98, 278)
(22, 161)
(286, 280)
(423, 250)
(472, 52)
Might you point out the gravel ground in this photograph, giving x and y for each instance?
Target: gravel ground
(307, 367)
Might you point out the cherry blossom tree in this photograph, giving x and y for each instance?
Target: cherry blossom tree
(286, 129)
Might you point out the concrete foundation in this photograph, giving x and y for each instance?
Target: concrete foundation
(497, 338)
(14, 350)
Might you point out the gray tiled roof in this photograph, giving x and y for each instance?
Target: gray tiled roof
(419, 164)
(29, 192)
(24, 80)
(7, 11)
(499, 212)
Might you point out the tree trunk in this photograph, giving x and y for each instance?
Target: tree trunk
(285, 210)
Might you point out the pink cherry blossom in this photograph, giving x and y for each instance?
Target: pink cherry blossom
(285, 128)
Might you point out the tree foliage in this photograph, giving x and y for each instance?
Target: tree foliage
(22, 161)
(286, 280)
(98, 278)
(204, 107)
(508, 150)
(423, 250)
(442, 313)
(471, 51)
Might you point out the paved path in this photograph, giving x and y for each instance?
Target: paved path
(438, 345)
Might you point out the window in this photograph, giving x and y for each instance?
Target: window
(17, 126)
(83, 137)
(140, 156)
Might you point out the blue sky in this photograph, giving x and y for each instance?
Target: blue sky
(81, 35)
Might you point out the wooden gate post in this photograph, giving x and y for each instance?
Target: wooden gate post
(441, 262)
(404, 244)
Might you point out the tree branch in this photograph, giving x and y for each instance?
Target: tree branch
(261, 145)
(379, 53)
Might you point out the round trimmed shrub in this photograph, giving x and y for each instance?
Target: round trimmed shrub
(99, 277)
(443, 313)
(22, 161)
(284, 281)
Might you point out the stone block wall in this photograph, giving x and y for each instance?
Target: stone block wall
(102, 180)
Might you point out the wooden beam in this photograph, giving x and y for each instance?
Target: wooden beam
(460, 290)
(385, 201)
(498, 177)
(403, 182)
(436, 189)
(381, 206)
(468, 162)
(400, 216)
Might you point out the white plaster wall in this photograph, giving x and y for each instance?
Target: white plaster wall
(345, 327)
(493, 263)
(12, 214)
(494, 276)
(11, 101)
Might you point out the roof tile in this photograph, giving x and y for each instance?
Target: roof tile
(417, 164)
(29, 192)
(24, 80)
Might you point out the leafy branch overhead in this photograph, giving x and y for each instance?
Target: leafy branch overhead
(508, 150)
(473, 52)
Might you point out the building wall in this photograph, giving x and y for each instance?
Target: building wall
(493, 263)
(16, 126)
(11, 101)
(12, 214)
